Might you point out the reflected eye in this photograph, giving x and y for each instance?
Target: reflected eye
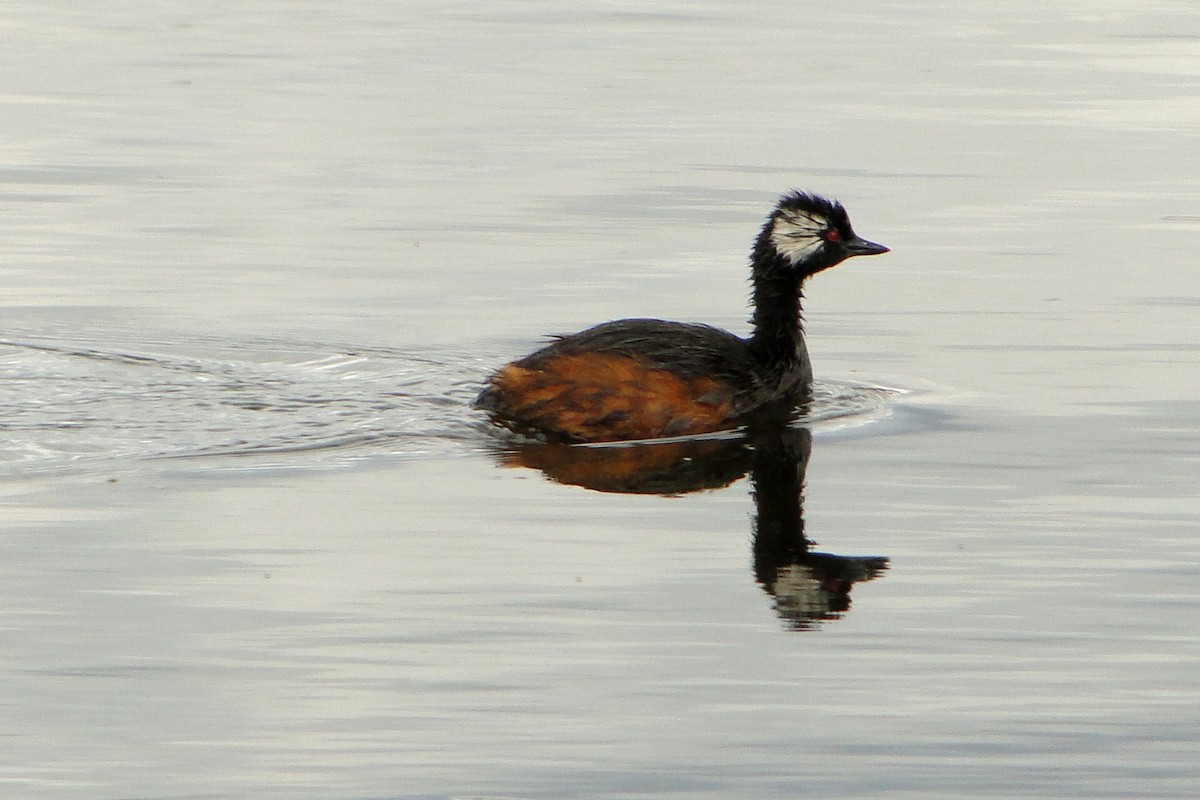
(832, 235)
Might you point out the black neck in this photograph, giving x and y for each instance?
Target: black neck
(778, 337)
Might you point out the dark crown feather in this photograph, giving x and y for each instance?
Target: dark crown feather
(797, 200)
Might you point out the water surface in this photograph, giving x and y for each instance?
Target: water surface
(257, 260)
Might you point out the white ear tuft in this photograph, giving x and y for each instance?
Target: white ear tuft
(797, 234)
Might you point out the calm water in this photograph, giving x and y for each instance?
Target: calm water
(255, 544)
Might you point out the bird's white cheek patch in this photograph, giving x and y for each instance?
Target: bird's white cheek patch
(797, 238)
(796, 250)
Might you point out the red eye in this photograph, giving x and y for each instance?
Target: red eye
(832, 235)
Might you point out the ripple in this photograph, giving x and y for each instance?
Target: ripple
(63, 405)
(838, 404)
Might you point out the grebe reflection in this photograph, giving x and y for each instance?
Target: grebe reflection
(807, 587)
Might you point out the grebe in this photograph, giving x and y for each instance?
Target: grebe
(647, 378)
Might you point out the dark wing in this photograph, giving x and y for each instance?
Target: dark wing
(688, 349)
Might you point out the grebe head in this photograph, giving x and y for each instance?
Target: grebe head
(809, 234)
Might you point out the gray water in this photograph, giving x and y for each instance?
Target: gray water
(256, 261)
